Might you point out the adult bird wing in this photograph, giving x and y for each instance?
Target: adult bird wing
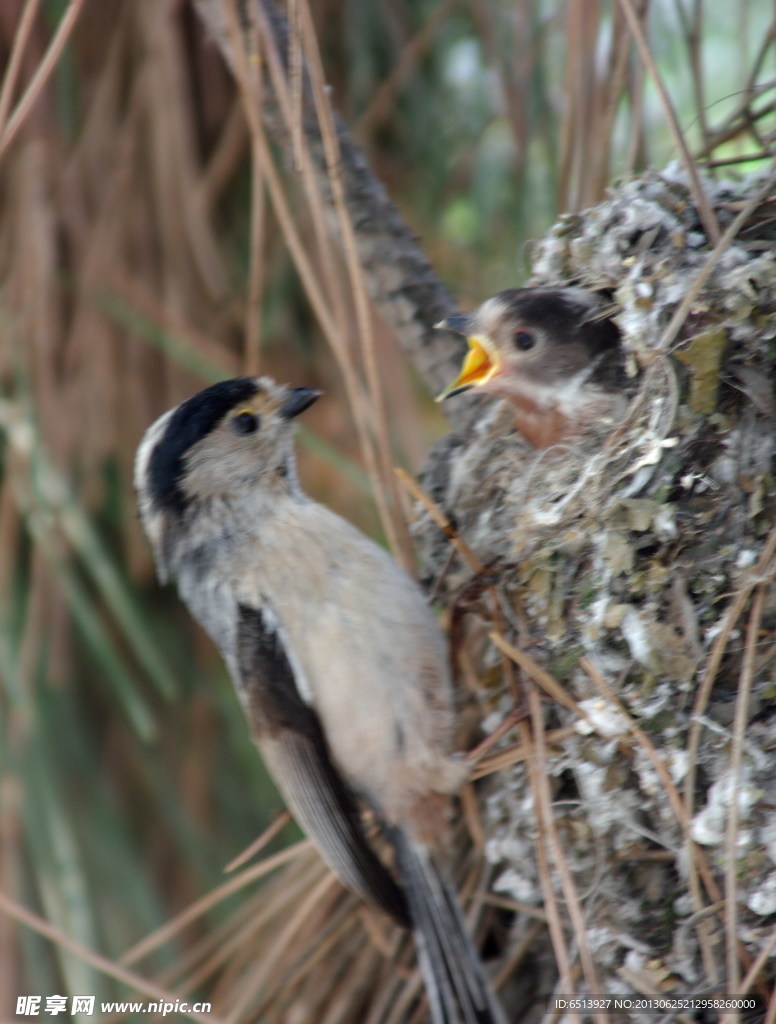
(290, 737)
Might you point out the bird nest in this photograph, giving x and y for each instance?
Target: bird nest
(611, 610)
(630, 575)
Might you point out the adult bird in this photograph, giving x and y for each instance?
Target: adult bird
(335, 655)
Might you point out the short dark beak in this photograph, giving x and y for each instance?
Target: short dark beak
(459, 324)
(298, 400)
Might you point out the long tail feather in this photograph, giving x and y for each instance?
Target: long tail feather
(457, 988)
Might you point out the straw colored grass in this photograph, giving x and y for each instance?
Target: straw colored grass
(180, 201)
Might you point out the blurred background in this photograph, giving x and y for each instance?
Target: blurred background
(143, 254)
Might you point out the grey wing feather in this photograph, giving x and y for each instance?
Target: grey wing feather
(292, 742)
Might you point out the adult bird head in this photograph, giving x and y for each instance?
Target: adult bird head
(228, 445)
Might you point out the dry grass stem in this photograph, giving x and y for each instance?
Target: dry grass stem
(679, 317)
(42, 74)
(672, 794)
(136, 982)
(201, 906)
(740, 723)
(414, 489)
(762, 572)
(257, 268)
(758, 964)
(259, 843)
(21, 39)
(395, 527)
(516, 754)
(543, 678)
(705, 210)
(555, 847)
(551, 901)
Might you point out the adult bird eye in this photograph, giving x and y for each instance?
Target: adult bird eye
(524, 340)
(245, 422)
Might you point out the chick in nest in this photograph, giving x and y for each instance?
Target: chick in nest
(553, 353)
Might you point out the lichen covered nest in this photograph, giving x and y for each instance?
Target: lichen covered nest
(637, 569)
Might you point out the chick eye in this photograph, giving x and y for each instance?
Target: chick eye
(245, 422)
(524, 340)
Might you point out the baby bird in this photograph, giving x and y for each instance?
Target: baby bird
(545, 351)
(337, 659)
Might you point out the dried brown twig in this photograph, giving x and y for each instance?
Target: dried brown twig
(705, 211)
(136, 982)
(413, 299)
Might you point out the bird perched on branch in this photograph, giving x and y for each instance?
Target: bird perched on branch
(550, 353)
(337, 659)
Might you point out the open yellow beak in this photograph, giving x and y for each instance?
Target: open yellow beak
(481, 363)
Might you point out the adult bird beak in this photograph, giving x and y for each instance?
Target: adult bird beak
(298, 400)
(481, 363)
(458, 324)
